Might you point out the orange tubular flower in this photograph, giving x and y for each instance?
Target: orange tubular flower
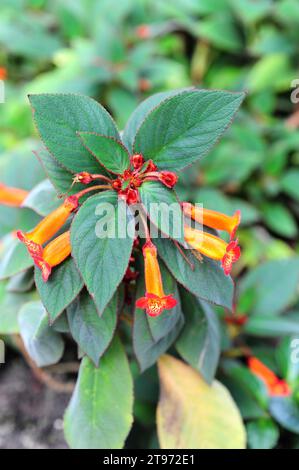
(12, 196)
(276, 387)
(53, 254)
(213, 219)
(3, 73)
(50, 225)
(214, 247)
(155, 301)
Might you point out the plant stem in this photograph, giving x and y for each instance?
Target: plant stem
(92, 188)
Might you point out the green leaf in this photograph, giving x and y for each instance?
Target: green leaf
(262, 434)
(215, 421)
(272, 326)
(60, 177)
(55, 297)
(290, 183)
(140, 114)
(10, 304)
(99, 415)
(163, 209)
(207, 281)
(199, 342)
(15, 260)
(101, 254)
(21, 282)
(272, 286)
(109, 152)
(43, 344)
(59, 117)
(286, 413)
(221, 31)
(247, 404)
(280, 220)
(185, 127)
(61, 324)
(147, 350)
(16, 217)
(92, 333)
(248, 381)
(271, 72)
(42, 199)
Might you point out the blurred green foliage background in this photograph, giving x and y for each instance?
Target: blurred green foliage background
(120, 53)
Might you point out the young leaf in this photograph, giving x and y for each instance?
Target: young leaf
(92, 333)
(199, 342)
(62, 287)
(207, 281)
(109, 152)
(140, 114)
(185, 127)
(101, 254)
(99, 415)
(215, 421)
(163, 209)
(59, 117)
(43, 344)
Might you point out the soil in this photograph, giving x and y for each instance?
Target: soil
(30, 413)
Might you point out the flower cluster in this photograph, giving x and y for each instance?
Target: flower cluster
(131, 179)
(155, 301)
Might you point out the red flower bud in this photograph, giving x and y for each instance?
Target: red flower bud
(130, 275)
(137, 161)
(132, 196)
(116, 184)
(129, 195)
(83, 177)
(168, 178)
(127, 174)
(144, 84)
(151, 166)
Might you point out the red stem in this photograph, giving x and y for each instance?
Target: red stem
(92, 188)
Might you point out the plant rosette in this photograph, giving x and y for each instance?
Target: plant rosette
(113, 261)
